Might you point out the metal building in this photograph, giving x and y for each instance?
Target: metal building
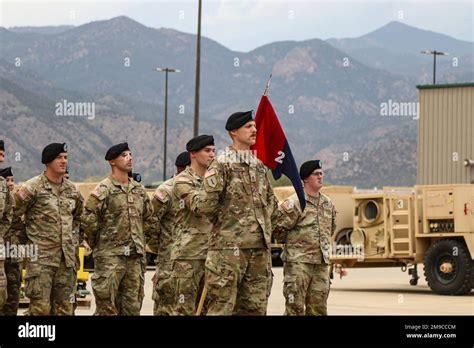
(446, 134)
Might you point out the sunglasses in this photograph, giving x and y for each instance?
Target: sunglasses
(317, 173)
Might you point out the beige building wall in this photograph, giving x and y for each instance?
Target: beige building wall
(445, 134)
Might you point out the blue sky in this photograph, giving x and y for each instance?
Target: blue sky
(243, 25)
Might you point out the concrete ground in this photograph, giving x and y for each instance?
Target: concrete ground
(372, 291)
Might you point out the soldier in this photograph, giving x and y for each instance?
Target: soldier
(5, 222)
(113, 223)
(52, 208)
(14, 238)
(192, 231)
(240, 202)
(160, 239)
(182, 161)
(307, 239)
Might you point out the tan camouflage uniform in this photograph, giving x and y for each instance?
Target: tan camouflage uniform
(5, 222)
(240, 201)
(15, 237)
(189, 249)
(307, 239)
(52, 221)
(113, 223)
(160, 240)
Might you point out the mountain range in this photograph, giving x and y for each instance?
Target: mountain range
(327, 94)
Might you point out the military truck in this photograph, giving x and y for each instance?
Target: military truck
(428, 224)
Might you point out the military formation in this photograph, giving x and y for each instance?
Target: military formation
(211, 226)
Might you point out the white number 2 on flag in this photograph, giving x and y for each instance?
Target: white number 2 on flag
(280, 157)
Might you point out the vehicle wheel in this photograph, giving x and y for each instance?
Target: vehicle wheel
(413, 282)
(344, 237)
(448, 267)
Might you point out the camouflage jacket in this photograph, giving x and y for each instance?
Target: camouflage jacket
(240, 201)
(51, 222)
(192, 229)
(115, 216)
(306, 235)
(5, 211)
(16, 234)
(165, 208)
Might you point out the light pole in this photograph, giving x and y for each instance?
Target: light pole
(166, 71)
(434, 53)
(198, 73)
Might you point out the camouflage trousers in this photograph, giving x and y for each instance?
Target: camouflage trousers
(306, 288)
(3, 284)
(13, 273)
(238, 281)
(118, 284)
(188, 276)
(164, 289)
(50, 289)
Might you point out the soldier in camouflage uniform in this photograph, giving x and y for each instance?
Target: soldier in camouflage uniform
(113, 223)
(189, 249)
(307, 239)
(5, 222)
(240, 201)
(52, 207)
(14, 237)
(160, 240)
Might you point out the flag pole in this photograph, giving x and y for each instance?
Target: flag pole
(267, 87)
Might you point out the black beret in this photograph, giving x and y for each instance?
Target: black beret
(2, 145)
(183, 159)
(6, 172)
(116, 151)
(199, 142)
(308, 167)
(51, 151)
(238, 119)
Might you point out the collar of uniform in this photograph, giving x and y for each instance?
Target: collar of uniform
(195, 176)
(47, 183)
(246, 157)
(116, 183)
(313, 200)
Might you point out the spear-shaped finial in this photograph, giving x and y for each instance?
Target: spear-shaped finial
(267, 87)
